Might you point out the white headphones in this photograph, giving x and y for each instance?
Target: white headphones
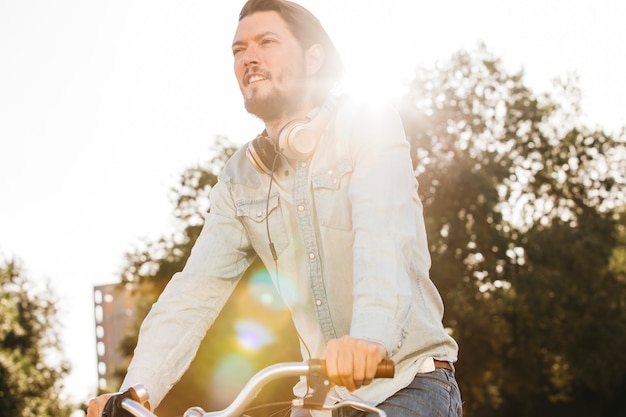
(297, 140)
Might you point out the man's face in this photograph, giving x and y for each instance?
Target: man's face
(270, 66)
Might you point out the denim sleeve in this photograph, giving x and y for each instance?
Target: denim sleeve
(172, 331)
(389, 234)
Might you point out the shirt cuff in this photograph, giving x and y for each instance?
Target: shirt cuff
(145, 377)
(381, 328)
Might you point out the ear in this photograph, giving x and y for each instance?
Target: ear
(314, 58)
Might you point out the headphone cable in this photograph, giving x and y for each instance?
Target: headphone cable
(273, 248)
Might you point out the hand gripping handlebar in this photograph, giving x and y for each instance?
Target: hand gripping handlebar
(314, 369)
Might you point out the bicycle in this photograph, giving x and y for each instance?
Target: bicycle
(314, 370)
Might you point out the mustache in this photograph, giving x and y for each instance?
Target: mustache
(255, 70)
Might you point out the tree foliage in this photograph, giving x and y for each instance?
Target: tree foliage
(29, 385)
(524, 207)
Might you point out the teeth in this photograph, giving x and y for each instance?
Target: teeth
(255, 78)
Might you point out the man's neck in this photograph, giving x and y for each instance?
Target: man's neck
(273, 127)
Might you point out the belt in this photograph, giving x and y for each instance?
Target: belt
(442, 364)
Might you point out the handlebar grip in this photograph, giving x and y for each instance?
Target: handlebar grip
(385, 369)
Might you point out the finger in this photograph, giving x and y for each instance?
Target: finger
(94, 410)
(379, 354)
(370, 367)
(331, 361)
(375, 354)
(345, 363)
(96, 405)
(359, 363)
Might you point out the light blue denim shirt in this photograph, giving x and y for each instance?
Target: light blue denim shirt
(348, 228)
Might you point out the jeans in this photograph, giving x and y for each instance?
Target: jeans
(433, 394)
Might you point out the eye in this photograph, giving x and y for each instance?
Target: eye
(238, 50)
(268, 41)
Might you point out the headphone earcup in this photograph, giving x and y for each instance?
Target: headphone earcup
(262, 154)
(297, 140)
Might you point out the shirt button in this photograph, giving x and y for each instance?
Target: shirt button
(303, 164)
(399, 345)
(259, 214)
(301, 207)
(318, 302)
(311, 256)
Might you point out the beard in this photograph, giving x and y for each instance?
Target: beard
(270, 106)
(273, 104)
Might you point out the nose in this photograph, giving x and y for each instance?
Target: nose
(250, 56)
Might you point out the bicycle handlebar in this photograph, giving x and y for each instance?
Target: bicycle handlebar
(385, 369)
(314, 369)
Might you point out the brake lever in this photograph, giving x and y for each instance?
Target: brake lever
(318, 383)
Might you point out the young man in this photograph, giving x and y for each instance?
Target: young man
(327, 198)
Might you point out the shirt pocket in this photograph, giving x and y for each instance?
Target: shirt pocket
(254, 216)
(330, 188)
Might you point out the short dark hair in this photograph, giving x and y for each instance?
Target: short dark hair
(308, 30)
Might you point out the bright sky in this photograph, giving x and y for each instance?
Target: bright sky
(103, 104)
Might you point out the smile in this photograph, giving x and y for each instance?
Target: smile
(254, 76)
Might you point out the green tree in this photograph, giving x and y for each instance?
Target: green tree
(520, 199)
(29, 385)
(568, 307)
